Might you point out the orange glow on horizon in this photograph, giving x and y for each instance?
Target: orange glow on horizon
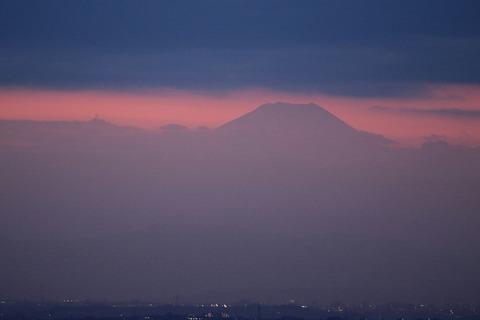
(154, 109)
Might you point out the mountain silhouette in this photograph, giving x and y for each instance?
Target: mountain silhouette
(290, 119)
(299, 129)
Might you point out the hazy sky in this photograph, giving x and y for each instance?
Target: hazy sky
(376, 64)
(286, 202)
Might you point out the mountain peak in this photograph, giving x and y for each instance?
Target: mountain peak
(291, 109)
(288, 118)
(302, 129)
(288, 106)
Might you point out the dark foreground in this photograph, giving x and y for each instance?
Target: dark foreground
(145, 311)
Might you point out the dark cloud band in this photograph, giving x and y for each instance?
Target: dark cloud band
(335, 47)
(452, 113)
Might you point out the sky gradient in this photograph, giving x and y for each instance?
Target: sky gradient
(222, 150)
(376, 64)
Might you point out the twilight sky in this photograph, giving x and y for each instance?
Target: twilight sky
(376, 64)
(104, 195)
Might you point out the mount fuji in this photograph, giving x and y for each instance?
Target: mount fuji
(298, 130)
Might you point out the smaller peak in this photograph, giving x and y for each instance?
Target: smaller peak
(98, 121)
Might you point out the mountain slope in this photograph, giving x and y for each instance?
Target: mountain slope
(297, 129)
(289, 118)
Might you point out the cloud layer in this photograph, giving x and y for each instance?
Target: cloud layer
(448, 113)
(369, 48)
